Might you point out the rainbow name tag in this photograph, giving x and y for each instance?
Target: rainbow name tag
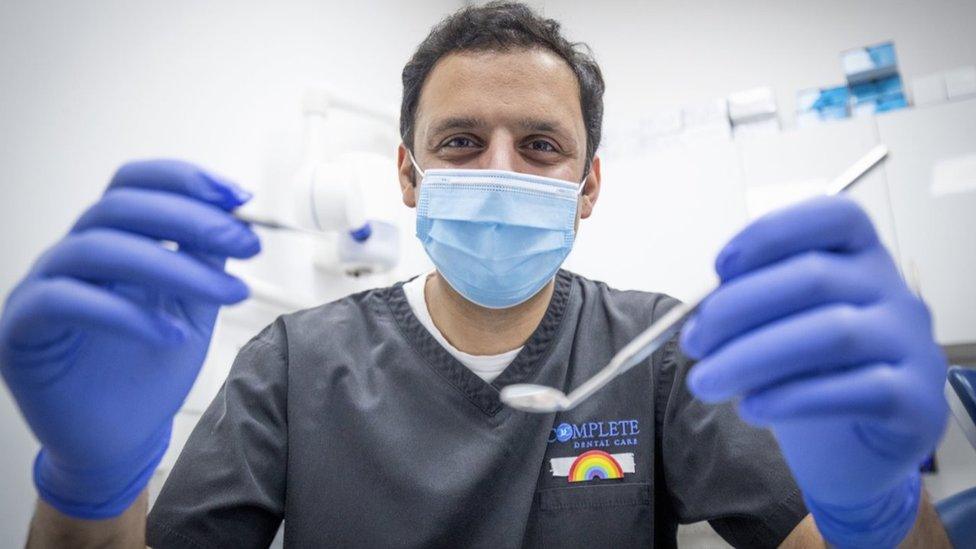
(593, 465)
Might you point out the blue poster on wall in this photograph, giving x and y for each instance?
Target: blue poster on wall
(873, 78)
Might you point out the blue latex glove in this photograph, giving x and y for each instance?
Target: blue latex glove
(102, 340)
(816, 332)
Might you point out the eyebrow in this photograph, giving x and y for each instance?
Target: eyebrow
(541, 125)
(471, 123)
(457, 123)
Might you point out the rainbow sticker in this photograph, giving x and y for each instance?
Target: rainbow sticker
(594, 464)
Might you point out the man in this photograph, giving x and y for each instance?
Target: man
(374, 421)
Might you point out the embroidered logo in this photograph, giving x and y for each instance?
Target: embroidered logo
(591, 465)
(597, 434)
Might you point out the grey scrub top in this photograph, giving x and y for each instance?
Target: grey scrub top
(354, 426)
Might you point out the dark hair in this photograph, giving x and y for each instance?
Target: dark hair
(500, 26)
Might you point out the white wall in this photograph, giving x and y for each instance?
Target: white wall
(85, 86)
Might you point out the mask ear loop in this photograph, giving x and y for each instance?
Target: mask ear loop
(579, 194)
(582, 185)
(415, 166)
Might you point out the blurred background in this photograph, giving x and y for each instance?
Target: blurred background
(715, 112)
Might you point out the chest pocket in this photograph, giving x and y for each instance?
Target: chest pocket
(594, 515)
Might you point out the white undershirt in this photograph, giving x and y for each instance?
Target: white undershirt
(487, 367)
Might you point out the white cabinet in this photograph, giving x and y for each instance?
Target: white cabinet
(664, 213)
(932, 179)
(922, 200)
(784, 168)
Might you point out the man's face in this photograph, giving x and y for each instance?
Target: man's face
(517, 111)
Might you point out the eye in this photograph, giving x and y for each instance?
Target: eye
(460, 142)
(541, 145)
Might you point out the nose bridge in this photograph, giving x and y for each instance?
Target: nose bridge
(501, 152)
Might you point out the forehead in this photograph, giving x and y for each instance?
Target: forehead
(501, 87)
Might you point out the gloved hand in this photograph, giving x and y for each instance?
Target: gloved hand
(815, 330)
(102, 340)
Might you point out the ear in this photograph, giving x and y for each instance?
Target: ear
(407, 175)
(591, 189)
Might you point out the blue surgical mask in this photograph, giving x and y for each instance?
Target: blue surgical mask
(497, 237)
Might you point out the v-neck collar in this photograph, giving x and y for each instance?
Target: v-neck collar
(523, 368)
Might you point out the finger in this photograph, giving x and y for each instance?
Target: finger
(212, 260)
(814, 341)
(109, 256)
(168, 216)
(44, 308)
(200, 314)
(826, 223)
(792, 285)
(872, 391)
(177, 176)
